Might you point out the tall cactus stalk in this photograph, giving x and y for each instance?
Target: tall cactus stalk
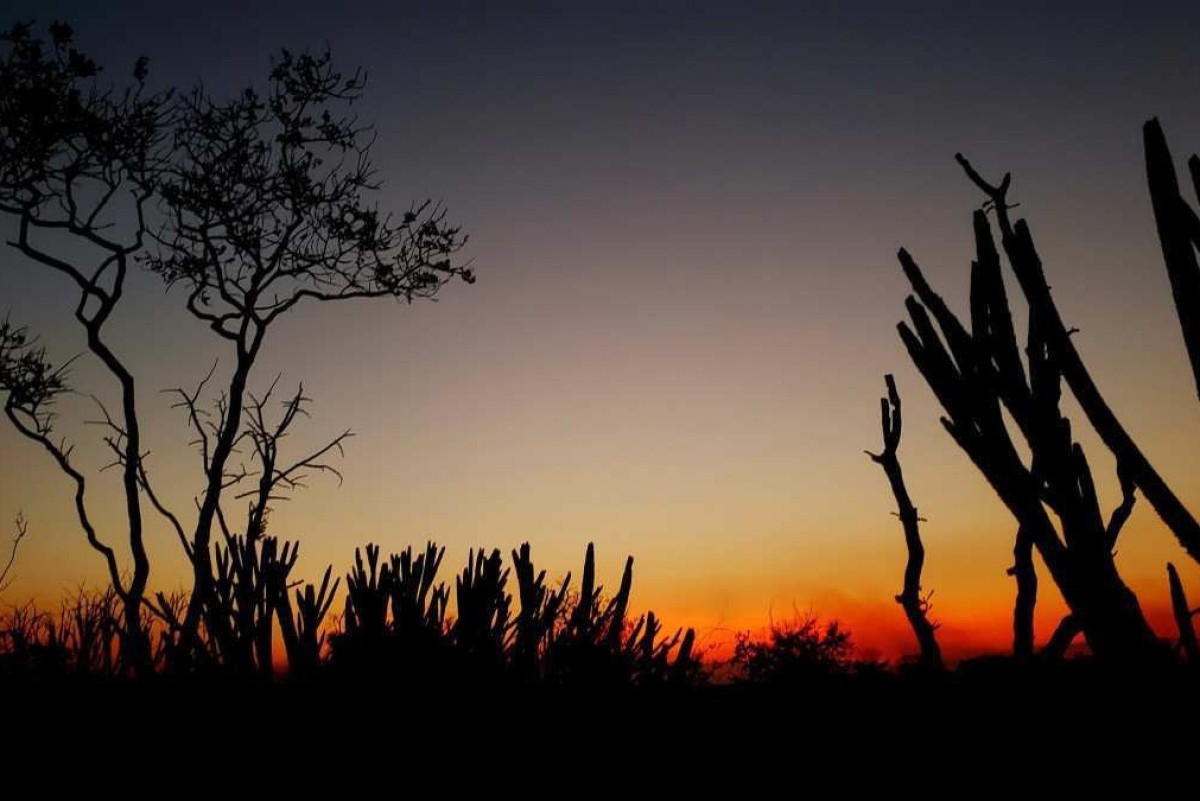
(1027, 266)
(1183, 617)
(483, 608)
(977, 372)
(417, 601)
(540, 608)
(1026, 601)
(303, 637)
(1178, 233)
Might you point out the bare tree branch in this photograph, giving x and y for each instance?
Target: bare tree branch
(915, 605)
(198, 419)
(61, 456)
(22, 530)
(275, 482)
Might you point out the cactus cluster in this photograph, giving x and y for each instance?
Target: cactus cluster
(396, 620)
(399, 622)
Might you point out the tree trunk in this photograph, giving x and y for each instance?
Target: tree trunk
(1108, 613)
(1064, 634)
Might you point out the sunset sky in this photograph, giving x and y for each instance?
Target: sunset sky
(684, 219)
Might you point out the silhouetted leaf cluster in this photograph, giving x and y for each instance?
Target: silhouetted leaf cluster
(31, 382)
(265, 203)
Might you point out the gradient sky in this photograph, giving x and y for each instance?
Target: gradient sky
(684, 218)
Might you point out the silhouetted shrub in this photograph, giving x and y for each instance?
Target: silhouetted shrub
(84, 639)
(799, 650)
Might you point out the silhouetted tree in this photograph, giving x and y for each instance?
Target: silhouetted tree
(1132, 463)
(911, 600)
(251, 206)
(266, 205)
(989, 362)
(975, 373)
(80, 162)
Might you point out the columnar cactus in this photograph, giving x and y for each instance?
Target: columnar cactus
(976, 372)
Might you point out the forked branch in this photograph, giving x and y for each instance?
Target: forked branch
(276, 481)
(22, 526)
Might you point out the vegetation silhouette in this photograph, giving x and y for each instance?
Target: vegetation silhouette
(22, 530)
(250, 207)
(911, 600)
(255, 206)
(396, 627)
(396, 623)
(976, 372)
(1179, 234)
(798, 651)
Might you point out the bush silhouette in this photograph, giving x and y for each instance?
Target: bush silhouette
(796, 652)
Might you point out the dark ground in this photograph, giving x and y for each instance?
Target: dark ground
(983, 727)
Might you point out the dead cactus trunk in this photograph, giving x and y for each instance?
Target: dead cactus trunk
(915, 606)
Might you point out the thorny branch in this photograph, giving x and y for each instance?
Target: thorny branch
(22, 526)
(276, 482)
